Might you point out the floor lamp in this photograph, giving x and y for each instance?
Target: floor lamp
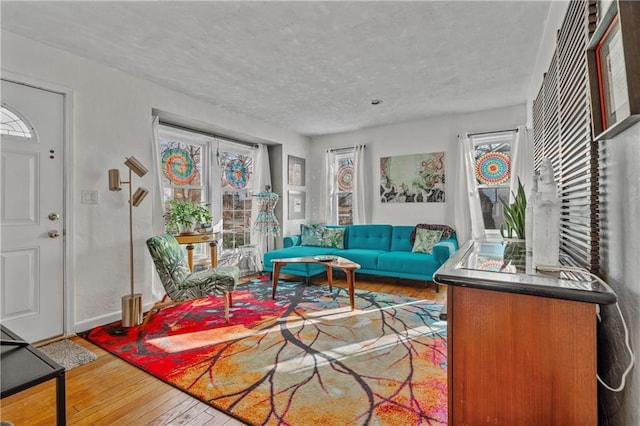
(131, 303)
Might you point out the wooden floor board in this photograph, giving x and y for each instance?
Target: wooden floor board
(111, 391)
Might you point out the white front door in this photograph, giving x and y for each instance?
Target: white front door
(31, 180)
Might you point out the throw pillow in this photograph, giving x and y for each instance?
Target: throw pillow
(425, 240)
(311, 235)
(333, 237)
(447, 231)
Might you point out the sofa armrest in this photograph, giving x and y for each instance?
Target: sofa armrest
(444, 250)
(291, 240)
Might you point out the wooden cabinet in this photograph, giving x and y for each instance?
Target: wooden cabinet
(521, 347)
(517, 359)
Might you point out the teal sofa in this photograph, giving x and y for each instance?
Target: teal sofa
(379, 250)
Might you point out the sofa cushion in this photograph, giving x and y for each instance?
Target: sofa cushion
(407, 262)
(447, 231)
(333, 237)
(311, 235)
(400, 238)
(425, 240)
(373, 237)
(367, 259)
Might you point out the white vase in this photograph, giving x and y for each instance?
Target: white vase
(186, 229)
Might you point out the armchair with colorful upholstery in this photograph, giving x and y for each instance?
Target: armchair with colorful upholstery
(180, 283)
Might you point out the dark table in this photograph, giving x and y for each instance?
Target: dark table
(23, 366)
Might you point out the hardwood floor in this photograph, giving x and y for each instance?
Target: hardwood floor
(110, 391)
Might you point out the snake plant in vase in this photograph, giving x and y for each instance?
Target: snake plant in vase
(514, 215)
(514, 221)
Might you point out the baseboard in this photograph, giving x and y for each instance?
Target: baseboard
(104, 319)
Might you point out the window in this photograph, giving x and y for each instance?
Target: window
(185, 174)
(493, 175)
(12, 125)
(236, 169)
(344, 194)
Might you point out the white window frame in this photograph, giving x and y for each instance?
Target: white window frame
(502, 137)
(193, 138)
(230, 146)
(336, 196)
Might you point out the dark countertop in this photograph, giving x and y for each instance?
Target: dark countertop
(500, 266)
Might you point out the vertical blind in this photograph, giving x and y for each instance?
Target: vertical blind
(562, 132)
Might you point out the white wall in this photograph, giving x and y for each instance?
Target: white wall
(620, 252)
(619, 249)
(111, 120)
(436, 134)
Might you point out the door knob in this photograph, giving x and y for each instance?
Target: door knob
(54, 233)
(54, 216)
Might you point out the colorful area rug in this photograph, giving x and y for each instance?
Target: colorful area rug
(301, 359)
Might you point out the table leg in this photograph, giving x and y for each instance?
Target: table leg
(276, 276)
(350, 281)
(61, 400)
(330, 277)
(213, 249)
(190, 256)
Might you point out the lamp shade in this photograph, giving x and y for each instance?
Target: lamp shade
(136, 166)
(114, 180)
(138, 196)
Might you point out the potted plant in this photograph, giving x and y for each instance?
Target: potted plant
(183, 216)
(514, 219)
(514, 214)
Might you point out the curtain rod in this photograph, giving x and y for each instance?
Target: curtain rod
(205, 133)
(488, 133)
(346, 148)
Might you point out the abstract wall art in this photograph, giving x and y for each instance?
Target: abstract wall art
(417, 178)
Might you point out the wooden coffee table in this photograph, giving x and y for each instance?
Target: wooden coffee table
(346, 265)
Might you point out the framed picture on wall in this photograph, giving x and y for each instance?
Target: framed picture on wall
(614, 70)
(296, 171)
(297, 204)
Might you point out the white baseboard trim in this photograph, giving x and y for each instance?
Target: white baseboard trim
(104, 319)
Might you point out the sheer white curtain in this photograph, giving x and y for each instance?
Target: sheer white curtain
(261, 178)
(521, 162)
(328, 207)
(467, 212)
(360, 187)
(157, 208)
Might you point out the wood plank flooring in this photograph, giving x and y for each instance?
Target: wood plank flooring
(109, 391)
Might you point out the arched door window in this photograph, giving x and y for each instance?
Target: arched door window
(13, 125)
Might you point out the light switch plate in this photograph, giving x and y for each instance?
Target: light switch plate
(90, 196)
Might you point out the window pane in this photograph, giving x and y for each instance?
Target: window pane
(493, 157)
(183, 194)
(11, 124)
(345, 174)
(492, 207)
(236, 218)
(345, 209)
(237, 170)
(181, 163)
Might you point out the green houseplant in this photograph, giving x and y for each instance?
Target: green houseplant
(183, 216)
(514, 214)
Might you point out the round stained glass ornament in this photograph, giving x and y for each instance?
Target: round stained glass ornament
(236, 173)
(345, 177)
(493, 168)
(178, 166)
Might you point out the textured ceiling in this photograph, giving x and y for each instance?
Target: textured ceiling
(312, 67)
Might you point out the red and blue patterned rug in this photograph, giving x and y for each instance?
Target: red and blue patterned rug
(300, 359)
